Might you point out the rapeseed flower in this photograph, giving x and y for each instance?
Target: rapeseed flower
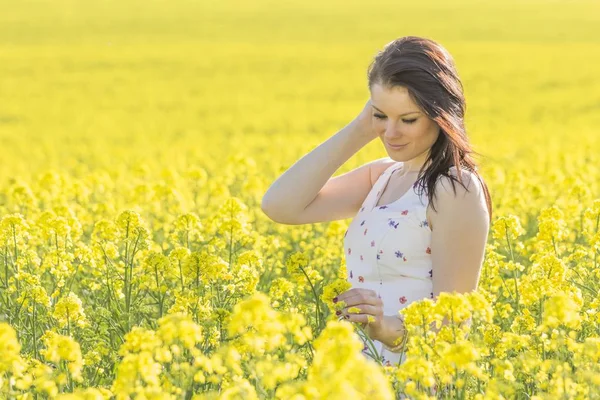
(63, 348)
(69, 312)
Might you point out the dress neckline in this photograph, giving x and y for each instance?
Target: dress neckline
(389, 173)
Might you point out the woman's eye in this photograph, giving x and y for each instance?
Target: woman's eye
(407, 121)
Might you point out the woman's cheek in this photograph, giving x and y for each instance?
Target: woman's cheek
(378, 125)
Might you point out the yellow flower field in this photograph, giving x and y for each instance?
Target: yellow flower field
(139, 137)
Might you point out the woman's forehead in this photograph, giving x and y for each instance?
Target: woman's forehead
(396, 100)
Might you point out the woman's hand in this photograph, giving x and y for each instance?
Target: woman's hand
(364, 121)
(370, 310)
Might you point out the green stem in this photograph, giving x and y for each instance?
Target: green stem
(160, 301)
(316, 299)
(35, 349)
(15, 242)
(370, 345)
(595, 252)
(180, 275)
(515, 275)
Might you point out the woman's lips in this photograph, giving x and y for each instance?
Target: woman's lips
(397, 146)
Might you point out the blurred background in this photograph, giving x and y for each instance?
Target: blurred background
(120, 85)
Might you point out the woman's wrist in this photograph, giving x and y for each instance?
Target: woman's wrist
(393, 333)
(359, 131)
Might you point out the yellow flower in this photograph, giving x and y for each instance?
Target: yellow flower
(507, 228)
(105, 230)
(241, 389)
(137, 373)
(186, 229)
(591, 349)
(593, 212)
(281, 289)
(334, 289)
(261, 326)
(20, 193)
(131, 227)
(69, 311)
(179, 328)
(460, 355)
(233, 218)
(552, 227)
(454, 306)
(14, 227)
(296, 262)
(63, 348)
(138, 340)
(86, 394)
(200, 266)
(9, 348)
(339, 370)
(559, 309)
(198, 175)
(157, 268)
(418, 369)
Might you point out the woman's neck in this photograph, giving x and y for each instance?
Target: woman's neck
(415, 164)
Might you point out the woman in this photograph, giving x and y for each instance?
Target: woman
(420, 216)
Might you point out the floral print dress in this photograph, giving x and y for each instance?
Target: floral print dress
(388, 249)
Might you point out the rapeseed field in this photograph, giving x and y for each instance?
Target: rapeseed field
(138, 138)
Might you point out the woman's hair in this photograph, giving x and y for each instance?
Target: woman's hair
(427, 70)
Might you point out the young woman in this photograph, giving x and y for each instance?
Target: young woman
(420, 216)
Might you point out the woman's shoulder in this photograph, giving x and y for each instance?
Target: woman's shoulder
(467, 181)
(460, 198)
(379, 166)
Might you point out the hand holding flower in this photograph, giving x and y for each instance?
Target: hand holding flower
(363, 306)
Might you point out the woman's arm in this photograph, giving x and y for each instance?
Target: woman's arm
(459, 235)
(304, 193)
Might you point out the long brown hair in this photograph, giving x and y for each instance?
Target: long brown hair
(427, 71)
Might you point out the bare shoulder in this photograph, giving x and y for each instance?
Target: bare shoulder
(456, 202)
(449, 187)
(465, 197)
(377, 167)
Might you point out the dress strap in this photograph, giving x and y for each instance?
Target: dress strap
(379, 186)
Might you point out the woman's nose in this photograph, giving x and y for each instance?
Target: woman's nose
(391, 131)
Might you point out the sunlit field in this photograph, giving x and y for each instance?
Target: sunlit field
(138, 138)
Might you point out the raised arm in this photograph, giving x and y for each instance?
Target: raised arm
(306, 192)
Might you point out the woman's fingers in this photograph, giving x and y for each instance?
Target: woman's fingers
(360, 296)
(362, 318)
(361, 306)
(362, 309)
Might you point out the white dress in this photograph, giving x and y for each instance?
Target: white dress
(388, 249)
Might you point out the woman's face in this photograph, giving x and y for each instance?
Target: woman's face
(399, 121)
